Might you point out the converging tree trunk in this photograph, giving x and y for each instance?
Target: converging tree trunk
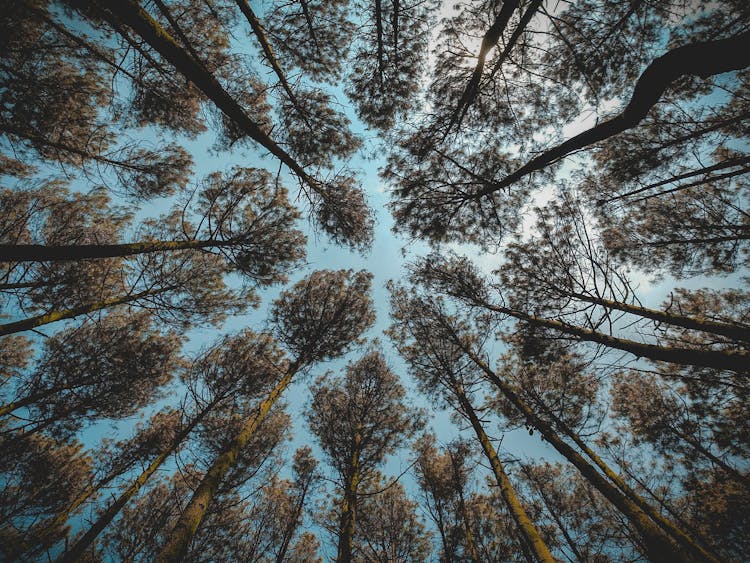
(177, 542)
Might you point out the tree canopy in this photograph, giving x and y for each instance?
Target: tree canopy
(374, 280)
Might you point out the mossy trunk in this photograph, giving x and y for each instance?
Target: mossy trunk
(540, 550)
(176, 545)
(47, 318)
(657, 544)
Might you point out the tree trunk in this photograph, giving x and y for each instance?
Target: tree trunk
(734, 360)
(732, 331)
(47, 318)
(178, 540)
(55, 253)
(260, 34)
(523, 522)
(677, 533)
(658, 546)
(79, 547)
(470, 544)
(132, 14)
(704, 59)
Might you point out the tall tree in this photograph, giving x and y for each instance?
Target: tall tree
(359, 419)
(222, 379)
(443, 478)
(426, 321)
(389, 528)
(318, 319)
(444, 372)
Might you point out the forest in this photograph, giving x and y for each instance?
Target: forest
(375, 280)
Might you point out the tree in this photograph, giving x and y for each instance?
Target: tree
(109, 369)
(424, 320)
(582, 58)
(443, 478)
(318, 319)
(227, 531)
(443, 372)
(359, 418)
(32, 467)
(225, 377)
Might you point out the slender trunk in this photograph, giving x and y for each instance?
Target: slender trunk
(62, 147)
(293, 523)
(706, 180)
(697, 240)
(732, 331)
(311, 27)
(260, 35)
(347, 522)
(379, 37)
(658, 546)
(516, 35)
(394, 24)
(47, 318)
(33, 398)
(131, 13)
(490, 39)
(523, 522)
(178, 540)
(704, 59)
(54, 253)
(744, 480)
(470, 545)
(559, 523)
(734, 360)
(79, 547)
(729, 163)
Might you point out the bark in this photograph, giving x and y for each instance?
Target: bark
(47, 318)
(79, 547)
(347, 523)
(54, 253)
(523, 522)
(177, 541)
(703, 59)
(178, 30)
